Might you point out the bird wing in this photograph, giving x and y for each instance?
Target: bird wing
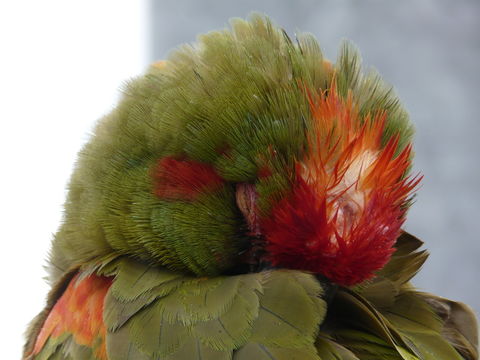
(149, 312)
(387, 318)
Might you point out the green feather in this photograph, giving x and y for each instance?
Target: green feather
(262, 352)
(51, 349)
(386, 315)
(370, 347)
(194, 349)
(406, 261)
(328, 349)
(160, 314)
(121, 347)
(291, 321)
(459, 324)
(372, 94)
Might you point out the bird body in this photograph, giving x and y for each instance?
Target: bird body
(245, 201)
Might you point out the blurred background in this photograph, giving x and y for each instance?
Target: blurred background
(64, 62)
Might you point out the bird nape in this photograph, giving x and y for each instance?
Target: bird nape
(245, 200)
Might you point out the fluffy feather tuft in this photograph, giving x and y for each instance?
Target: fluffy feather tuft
(349, 199)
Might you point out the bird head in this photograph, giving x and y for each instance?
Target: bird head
(243, 149)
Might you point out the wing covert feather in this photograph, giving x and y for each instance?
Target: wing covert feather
(211, 318)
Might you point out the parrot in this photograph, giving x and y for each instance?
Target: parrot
(245, 200)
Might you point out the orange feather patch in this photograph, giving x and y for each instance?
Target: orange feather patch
(79, 312)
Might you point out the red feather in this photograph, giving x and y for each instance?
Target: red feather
(349, 199)
(184, 179)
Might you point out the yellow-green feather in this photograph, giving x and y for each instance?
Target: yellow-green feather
(161, 314)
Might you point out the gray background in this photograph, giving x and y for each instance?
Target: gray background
(430, 51)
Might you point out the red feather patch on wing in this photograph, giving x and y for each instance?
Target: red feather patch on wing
(184, 179)
(79, 311)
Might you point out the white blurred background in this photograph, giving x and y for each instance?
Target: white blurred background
(62, 63)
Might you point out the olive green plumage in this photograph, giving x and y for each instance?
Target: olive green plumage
(227, 101)
(241, 89)
(154, 313)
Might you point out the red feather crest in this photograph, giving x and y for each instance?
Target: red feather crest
(349, 200)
